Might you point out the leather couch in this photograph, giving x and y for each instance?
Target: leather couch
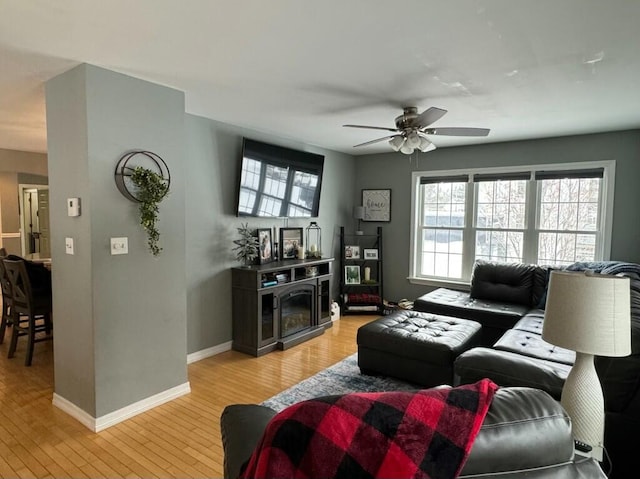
(520, 357)
(500, 295)
(525, 434)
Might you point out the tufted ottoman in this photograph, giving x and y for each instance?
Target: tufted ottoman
(415, 346)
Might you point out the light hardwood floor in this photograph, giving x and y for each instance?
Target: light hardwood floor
(177, 439)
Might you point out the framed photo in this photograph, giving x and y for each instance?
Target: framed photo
(370, 253)
(377, 205)
(352, 274)
(352, 252)
(290, 239)
(265, 246)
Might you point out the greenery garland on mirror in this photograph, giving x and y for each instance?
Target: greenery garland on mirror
(152, 188)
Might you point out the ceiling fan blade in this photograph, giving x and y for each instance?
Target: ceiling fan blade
(428, 116)
(374, 141)
(372, 127)
(457, 131)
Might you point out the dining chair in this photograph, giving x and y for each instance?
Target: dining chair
(34, 305)
(5, 285)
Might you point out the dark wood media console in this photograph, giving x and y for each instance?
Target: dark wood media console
(281, 304)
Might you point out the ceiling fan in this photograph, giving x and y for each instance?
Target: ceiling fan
(411, 130)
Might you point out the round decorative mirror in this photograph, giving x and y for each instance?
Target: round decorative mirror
(139, 158)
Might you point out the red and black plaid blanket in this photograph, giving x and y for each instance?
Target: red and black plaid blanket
(401, 434)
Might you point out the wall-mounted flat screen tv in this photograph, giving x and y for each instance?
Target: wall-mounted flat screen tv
(278, 182)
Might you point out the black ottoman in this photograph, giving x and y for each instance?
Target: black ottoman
(415, 346)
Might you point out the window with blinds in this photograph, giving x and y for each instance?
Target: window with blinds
(443, 217)
(568, 220)
(546, 215)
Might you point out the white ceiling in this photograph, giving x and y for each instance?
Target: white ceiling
(302, 68)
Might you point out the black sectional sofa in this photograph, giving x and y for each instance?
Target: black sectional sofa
(508, 300)
(525, 434)
(500, 296)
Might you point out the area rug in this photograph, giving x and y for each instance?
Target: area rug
(341, 378)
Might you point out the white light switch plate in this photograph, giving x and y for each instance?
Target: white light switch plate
(120, 245)
(68, 245)
(73, 206)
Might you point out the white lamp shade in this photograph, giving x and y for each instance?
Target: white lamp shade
(588, 313)
(358, 212)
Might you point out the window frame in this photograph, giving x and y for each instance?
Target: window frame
(603, 232)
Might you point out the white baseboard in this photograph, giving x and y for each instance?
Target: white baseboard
(74, 411)
(207, 353)
(115, 417)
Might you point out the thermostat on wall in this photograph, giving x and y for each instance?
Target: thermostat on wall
(73, 206)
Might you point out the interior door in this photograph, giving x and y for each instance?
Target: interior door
(43, 216)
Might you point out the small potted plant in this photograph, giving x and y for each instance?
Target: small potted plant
(247, 246)
(152, 188)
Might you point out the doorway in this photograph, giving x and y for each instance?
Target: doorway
(34, 221)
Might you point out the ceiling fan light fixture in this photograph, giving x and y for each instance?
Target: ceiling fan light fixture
(425, 145)
(406, 148)
(413, 139)
(396, 142)
(411, 130)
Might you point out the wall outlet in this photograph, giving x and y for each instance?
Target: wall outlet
(68, 245)
(120, 245)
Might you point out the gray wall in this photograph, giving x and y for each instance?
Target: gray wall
(17, 167)
(23, 161)
(120, 320)
(117, 314)
(29, 179)
(213, 151)
(393, 171)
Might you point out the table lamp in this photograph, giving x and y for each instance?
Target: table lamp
(358, 213)
(591, 315)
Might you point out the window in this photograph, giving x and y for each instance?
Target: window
(500, 216)
(443, 220)
(568, 217)
(554, 215)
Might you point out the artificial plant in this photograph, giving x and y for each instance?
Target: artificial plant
(152, 188)
(247, 246)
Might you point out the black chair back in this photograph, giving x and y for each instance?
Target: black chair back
(22, 294)
(7, 298)
(7, 292)
(23, 302)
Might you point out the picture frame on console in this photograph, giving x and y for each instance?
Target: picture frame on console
(290, 240)
(265, 246)
(352, 274)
